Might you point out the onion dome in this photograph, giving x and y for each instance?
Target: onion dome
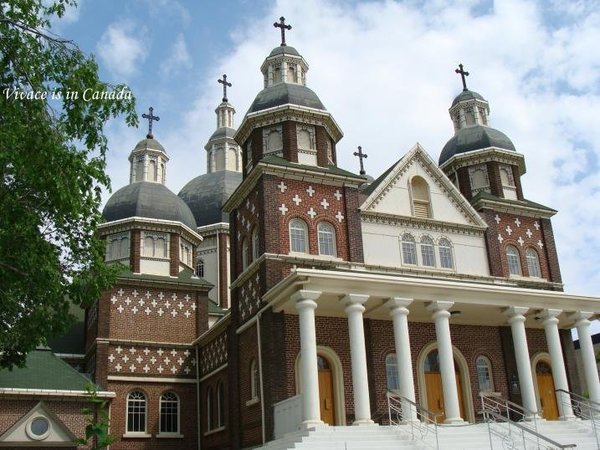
(475, 138)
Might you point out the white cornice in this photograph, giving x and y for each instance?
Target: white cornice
(480, 156)
(424, 224)
(137, 222)
(512, 208)
(53, 393)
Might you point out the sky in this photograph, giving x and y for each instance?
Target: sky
(385, 71)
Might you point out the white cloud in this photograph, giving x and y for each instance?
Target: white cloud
(179, 57)
(122, 49)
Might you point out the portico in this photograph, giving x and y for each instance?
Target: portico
(369, 302)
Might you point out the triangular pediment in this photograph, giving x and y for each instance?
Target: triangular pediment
(390, 193)
(40, 427)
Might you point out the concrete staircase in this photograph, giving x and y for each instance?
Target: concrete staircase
(470, 436)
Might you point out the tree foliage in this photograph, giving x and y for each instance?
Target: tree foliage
(97, 419)
(52, 170)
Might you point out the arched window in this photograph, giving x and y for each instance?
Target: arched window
(124, 248)
(291, 75)
(508, 182)
(136, 412)
(304, 140)
(298, 236)
(427, 253)
(152, 170)
(200, 268)
(420, 197)
(209, 409)
(245, 254)
(391, 372)
(533, 263)
(409, 249)
(445, 251)
(274, 141)
(220, 405)
(139, 169)
(276, 75)
(484, 374)
(254, 379)
(255, 244)
(514, 260)
(148, 246)
(161, 248)
(169, 413)
(326, 239)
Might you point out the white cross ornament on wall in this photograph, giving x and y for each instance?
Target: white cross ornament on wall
(339, 216)
(282, 187)
(283, 209)
(324, 203)
(297, 200)
(310, 191)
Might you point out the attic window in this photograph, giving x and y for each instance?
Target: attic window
(508, 183)
(420, 197)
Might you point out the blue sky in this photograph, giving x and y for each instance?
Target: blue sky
(385, 70)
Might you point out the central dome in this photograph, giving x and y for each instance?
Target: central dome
(283, 94)
(149, 200)
(467, 95)
(475, 138)
(284, 49)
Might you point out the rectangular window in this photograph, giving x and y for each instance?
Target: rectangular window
(409, 254)
(446, 257)
(427, 255)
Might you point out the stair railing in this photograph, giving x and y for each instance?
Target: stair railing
(511, 410)
(585, 409)
(400, 412)
(515, 433)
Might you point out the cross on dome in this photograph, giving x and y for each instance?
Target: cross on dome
(225, 85)
(361, 156)
(463, 73)
(283, 27)
(150, 118)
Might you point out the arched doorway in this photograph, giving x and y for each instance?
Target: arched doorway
(326, 394)
(546, 390)
(433, 385)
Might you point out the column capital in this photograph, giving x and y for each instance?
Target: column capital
(304, 294)
(398, 303)
(512, 312)
(581, 318)
(438, 306)
(354, 299)
(549, 316)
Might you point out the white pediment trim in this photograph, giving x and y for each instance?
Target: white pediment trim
(418, 155)
(22, 434)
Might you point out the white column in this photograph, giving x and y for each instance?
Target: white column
(559, 374)
(516, 319)
(587, 354)
(358, 354)
(399, 312)
(441, 316)
(309, 371)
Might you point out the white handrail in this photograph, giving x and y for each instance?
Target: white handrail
(401, 407)
(584, 408)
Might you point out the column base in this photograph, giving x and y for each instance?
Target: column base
(454, 421)
(311, 423)
(362, 422)
(568, 418)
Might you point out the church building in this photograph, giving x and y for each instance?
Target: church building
(279, 293)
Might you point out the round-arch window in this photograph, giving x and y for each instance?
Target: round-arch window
(38, 428)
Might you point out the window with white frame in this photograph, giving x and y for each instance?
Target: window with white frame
(185, 249)
(478, 176)
(445, 251)
(200, 268)
(326, 234)
(255, 244)
(533, 263)
(209, 409)
(409, 249)
(514, 260)
(298, 236)
(272, 141)
(484, 374)
(427, 253)
(117, 246)
(391, 372)
(155, 245)
(136, 412)
(169, 413)
(508, 183)
(220, 405)
(254, 379)
(420, 197)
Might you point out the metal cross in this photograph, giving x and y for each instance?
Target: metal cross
(283, 27)
(463, 74)
(361, 156)
(225, 84)
(150, 118)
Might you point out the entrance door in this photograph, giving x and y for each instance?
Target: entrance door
(326, 391)
(545, 382)
(433, 385)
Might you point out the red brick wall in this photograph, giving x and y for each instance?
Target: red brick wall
(136, 250)
(223, 240)
(215, 439)
(250, 416)
(153, 391)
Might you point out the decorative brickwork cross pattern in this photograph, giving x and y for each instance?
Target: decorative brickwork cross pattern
(214, 354)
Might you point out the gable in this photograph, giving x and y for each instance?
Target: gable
(392, 194)
(40, 427)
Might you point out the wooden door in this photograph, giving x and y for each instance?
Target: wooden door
(435, 394)
(546, 391)
(326, 391)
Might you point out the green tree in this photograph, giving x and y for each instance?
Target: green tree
(97, 420)
(52, 170)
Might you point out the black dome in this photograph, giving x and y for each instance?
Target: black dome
(223, 132)
(205, 195)
(149, 143)
(150, 200)
(284, 49)
(467, 95)
(283, 94)
(475, 138)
